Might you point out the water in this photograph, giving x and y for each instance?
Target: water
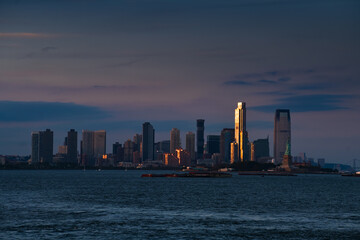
(122, 205)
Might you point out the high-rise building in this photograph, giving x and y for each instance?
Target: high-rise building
(174, 140)
(118, 152)
(261, 150)
(241, 135)
(87, 148)
(99, 143)
(282, 133)
(226, 138)
(148, 142)
(183, 156)
(190, 145)
(234, 157)
(71, 143)
(42, 144)
(129, 148)
(35, 147)
(213, 144)
(93, 147)
(200, 138)
(137, 141)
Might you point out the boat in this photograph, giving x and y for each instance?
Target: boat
(191, 175)
(357, 174)
(267, 173)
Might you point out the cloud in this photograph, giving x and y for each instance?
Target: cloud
(12, 111)
(237, 82)
(47, 49)
(28, 35)
(267, 81)
(306, 103)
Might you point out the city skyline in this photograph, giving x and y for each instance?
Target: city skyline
(115, 64)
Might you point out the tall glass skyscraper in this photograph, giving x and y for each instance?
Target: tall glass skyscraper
(190, 145)
(241, 135)
(148, 142)
(200, 138)
(282, 133)
(175, 142)
(42, 146)
(226, 138)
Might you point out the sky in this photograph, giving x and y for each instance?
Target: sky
(113, 65)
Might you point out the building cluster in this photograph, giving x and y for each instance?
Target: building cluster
(231, 146)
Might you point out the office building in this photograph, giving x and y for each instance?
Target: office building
(213, 144)
(71, 143)
(226, 138)
(137, 141)
(174, 140)
(129, 149)
(200, 128)
(42, 146)
(184, 157)
(99, 143)
(261, 150)
(190, 145)
(148, 142)
(282, 133)
(241, 135)
(93, 147)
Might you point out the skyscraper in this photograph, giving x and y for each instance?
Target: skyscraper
(213, 144)
(87, 148)
(148, 142)
(174, 140)
(282, 133)
(35, 147)
(200, 138)
(241, 135)
(190, 145)
(226, 138)
(261, 150)
(71, 143)
(99, 143)
(42, 146)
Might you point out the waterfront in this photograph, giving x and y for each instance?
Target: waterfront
(76, 204)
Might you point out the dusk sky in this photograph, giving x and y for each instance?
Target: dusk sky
(113, 65)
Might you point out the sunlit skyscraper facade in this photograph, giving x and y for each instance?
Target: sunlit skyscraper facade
(241, 135)
(282, 133)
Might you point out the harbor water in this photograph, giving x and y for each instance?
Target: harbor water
(74, 204)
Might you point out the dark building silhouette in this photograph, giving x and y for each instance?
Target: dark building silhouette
(42, 146)
(137, 141)
(163, 146)
(190, 146)
(118, 152)
(213, 144)
(282, 133)
(148, 142)
(87, 148)
(226, 138)
(261, 150)
(200, 138)
(129, 149)
(71, 143)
